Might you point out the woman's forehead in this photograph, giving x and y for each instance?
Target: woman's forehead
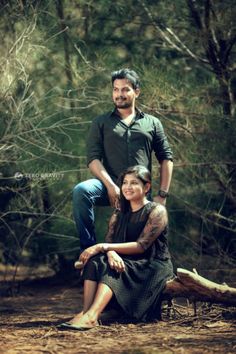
(131, 176)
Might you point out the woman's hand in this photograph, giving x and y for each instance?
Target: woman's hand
(89, 252)
(115, 261)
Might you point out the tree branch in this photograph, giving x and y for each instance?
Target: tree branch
(172, 39)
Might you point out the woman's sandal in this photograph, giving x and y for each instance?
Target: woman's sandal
(68, 325)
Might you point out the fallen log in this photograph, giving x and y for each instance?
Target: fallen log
(197, 288)
(187, 285)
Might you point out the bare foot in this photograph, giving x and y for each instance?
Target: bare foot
(84, 321)
(75, 319)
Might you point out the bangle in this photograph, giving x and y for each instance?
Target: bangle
(105, 247)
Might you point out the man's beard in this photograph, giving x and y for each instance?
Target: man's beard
(124, 104)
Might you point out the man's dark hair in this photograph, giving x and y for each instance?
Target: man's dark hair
(128, 74)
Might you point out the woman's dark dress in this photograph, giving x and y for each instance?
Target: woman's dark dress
(137, 290)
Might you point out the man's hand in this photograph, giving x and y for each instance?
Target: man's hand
(160, 200)
(114, 195)
(99, 171)
(115, 261)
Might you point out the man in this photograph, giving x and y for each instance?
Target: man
(119, 139)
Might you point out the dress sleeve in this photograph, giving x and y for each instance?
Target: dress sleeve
(111, 227)
(155, 225)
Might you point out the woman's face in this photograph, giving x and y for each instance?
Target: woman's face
(133, 189)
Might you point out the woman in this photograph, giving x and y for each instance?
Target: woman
(134, 263)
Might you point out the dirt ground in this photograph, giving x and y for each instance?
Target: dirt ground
(28, 325)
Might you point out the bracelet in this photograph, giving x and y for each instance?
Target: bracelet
(105, 247)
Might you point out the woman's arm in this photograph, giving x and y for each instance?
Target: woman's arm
(156, 223)
(119, 248)
(111, 226)
(122, 248)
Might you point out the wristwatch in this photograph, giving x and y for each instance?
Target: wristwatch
(163, 194)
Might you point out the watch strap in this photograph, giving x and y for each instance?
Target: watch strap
(163, 194)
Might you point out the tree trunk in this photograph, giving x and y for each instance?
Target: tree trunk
(217, 49)
(60, 12)
(227, 97)
(68, 70)
(195, 287)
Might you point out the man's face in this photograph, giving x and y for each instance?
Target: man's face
(124, 94)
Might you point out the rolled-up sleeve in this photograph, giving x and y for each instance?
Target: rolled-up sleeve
(95, 142)
(161, 145)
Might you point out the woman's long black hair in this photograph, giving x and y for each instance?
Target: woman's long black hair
(140, 172)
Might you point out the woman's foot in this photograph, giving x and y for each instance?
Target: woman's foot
(81, 322)
(84, 321)
(76, 319)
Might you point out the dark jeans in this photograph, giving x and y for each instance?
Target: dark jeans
(87, 195)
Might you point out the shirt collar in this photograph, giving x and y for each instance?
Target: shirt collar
(139, 113)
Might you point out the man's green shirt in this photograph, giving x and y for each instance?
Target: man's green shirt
(119, 146)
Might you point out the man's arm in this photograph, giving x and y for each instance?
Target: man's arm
(99, 171)
(164, 155)
(95, 156)
(166, 168)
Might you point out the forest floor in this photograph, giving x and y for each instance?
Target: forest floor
(30, 315)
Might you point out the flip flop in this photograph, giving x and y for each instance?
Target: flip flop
(68, 325)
